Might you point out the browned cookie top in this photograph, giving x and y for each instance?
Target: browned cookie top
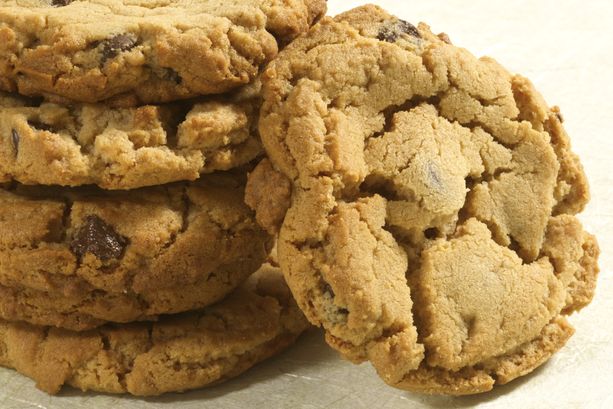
(426, 191)
(150, 51)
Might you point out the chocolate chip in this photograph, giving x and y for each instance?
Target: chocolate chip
(98, 238)
(431, 233)
(387, 34)
(60, 3)
(113, 46)
(15, 139)
(390, 33)
(408, 28)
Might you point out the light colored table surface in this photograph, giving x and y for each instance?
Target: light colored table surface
(565, 47)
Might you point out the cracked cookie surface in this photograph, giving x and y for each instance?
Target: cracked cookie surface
(78, 257)
(428, 191)
(177, 353)
(143, 51)
(126, 148)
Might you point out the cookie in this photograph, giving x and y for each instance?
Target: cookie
(125, 148)
(79, 257)
(177, 353)
(143, 51)
(431, 198)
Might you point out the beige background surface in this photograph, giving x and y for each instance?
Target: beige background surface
(565, 47)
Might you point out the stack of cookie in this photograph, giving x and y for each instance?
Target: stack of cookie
(423, 200)
(126, 133)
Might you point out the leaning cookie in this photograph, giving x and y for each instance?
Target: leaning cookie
(177, 353)
(430, 199)
(93, 50)
(126, 148)
(76, 258)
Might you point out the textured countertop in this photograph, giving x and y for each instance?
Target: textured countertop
(565, 48)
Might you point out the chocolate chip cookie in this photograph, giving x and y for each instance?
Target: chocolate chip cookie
(76, 258)
(126, 148)
(148, 51)
(431, 198)
(177, 353)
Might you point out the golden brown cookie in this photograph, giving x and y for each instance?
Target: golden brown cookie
(177, 353)
(76, 258)
(126, 148)
(427, 193)
(143, 50)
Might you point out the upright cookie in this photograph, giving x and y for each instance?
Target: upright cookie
(427, 193)
(126, 148)
(147, 51)
(177, 353)
(76, 258)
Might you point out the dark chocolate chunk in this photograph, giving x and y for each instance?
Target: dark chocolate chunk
(15, 139)
(113, 46)
(391, 32)
(98, 238)
(431, 233)
(407, 28)
(60, 3)
(387, 34)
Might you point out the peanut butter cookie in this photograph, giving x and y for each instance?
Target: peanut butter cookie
(431, 198)
(78, 257)
(126, 148)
